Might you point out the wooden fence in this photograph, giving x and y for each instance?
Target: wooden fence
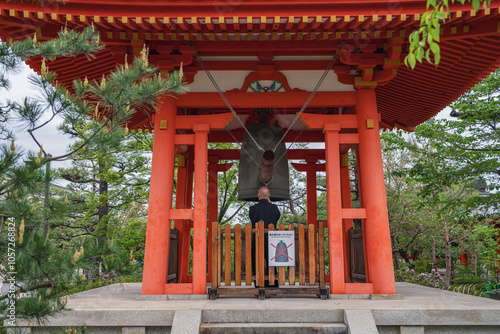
(357, 271)
(232, 261)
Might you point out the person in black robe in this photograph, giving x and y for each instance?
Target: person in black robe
(270, 214)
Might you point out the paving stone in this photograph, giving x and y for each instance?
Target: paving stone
(186, 322)
(360, 322)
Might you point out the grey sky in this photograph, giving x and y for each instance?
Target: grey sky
(53, 141)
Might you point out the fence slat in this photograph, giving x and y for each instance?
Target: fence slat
(248, 254)
(312, 254)
(227, 255)
(237, 255)
(219, 255)
(321, 245)
(214, 255)
(302, 257)
(271, 269)
(291, 270)
(281, 269)
(261, 270)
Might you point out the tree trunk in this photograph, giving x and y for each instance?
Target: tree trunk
(395, 253)
(474, 261)
(46, 199)
(434, 253)
(447, 278)
(103, 209)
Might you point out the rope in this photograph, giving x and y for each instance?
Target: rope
(328, 68)
(322, 78)
(202, 63)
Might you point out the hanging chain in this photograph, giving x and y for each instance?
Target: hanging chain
(202, 63)
(328, 68)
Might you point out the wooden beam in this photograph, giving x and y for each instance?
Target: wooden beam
(266, 100)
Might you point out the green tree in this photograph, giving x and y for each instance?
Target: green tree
(424, 42)
(48, 264)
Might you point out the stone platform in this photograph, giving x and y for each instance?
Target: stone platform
(120, 308)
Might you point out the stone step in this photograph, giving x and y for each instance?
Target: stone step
(273, 328)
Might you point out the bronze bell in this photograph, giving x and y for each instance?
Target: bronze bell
(260, 168)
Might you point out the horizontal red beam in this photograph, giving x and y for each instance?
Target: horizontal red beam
(267, 100)
(303, 167)
(178, 289)
(358, 288)
(181, 214)
(354, 213)
(293, 154)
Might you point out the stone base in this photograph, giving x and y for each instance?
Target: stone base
(120, 309)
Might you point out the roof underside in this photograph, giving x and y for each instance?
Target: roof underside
(470, 43)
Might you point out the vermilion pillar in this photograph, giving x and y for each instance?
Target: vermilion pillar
(179, 224)
(347, 204)
(334, 207)
(160, 199)
(200, 209)
(312, 206)
(213, 210)
(377, 236)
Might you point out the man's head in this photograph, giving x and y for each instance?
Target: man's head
(264, 193)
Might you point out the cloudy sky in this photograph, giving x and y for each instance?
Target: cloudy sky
(53, 141)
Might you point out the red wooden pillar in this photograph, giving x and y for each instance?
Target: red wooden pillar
(180, 203)
(213, 207)
(200, 209)
(334, 205)
(345, 183)
(312, 207)
(185, 242)
(377, 237)
(160, 199)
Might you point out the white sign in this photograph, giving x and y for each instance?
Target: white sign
(281, 248)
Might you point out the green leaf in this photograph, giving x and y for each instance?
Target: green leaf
(411, 60)
(475, 4)
(435, 34)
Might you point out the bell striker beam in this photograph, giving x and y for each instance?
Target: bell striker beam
(377, 237)
(200, 208)
(334, 208)
(160, 199)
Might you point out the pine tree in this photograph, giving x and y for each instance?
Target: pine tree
(48, 264)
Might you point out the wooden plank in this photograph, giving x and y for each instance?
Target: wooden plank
(261, 270)
(291, 270)
(215, 271)
(281, 279)
(312, 254)
(237, 255)
(248, 254)
(271, 269)
(321, 246)
(219, 255)
(227, 255)
(302, 257)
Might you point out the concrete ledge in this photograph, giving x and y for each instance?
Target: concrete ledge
(171, 297)
(437, 317)
(360, 322)
(101, 318)
(186, 322)
(412, 329)
(267, 315)
(396, 296)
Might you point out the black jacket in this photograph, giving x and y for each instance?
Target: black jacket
(265, 211)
